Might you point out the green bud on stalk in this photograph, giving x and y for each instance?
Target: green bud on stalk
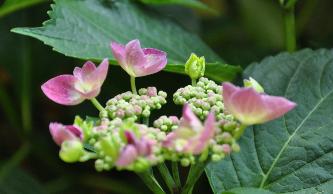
(195, 66)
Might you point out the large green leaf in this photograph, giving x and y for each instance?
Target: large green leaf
(293, 154)
(244, 190)
(84, 29)
(189, 3)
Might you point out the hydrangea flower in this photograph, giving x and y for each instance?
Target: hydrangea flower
(61, 133)
(135, 148)
(137, 61)
(85, 83)
(191, 136)
(251, 107)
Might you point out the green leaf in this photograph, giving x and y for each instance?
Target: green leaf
(19, 182)
(84, 29)
(189, 3)
(248, 190)
(10, 6)
(293, 154)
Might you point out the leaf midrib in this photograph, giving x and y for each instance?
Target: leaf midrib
(290, 138)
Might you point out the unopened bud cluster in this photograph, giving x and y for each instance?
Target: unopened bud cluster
(166, 123)
(206, 96)
(128, 105)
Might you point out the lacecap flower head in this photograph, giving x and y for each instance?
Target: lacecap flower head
(251, 107)
(85, 83)
(137, 61)
(191, 136)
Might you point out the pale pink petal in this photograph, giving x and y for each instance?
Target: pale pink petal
(277, 106)
(169, 140)
(127, 156)
(87, 69)
(228, 90)
(189, 119)
(61, 89)
(61, 133)
(156, 60)
(118, 51)
(135, 58)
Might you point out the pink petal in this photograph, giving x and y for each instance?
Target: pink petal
(156, 60)
(228, 90)
(61, 89)
(87, 69)
(169, 140)
(118, 51)
(127, 156)
(277, 106)
(189, 119)
(61, 133)
(135, 58)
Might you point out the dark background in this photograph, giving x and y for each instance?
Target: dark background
(245, 31)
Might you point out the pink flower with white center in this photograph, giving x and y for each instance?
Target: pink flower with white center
(135, 148)
(85, 83)
(61, 133)
(137, 61)
(251, 107)
(191, 136)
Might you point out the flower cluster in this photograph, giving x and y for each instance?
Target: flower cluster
(128, 105)
(214, 117)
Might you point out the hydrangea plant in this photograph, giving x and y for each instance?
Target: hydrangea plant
(214, 117)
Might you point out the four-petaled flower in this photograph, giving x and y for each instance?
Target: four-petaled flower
(138, 62)
(191, 136)
(61, 133)
(251, 107)
(85, 83)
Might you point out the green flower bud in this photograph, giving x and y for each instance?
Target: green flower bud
(71, 151)
(252, 83)
(195, 66)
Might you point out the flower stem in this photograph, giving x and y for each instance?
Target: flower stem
(289, 27)
(194, 174)
(194, 82)
(97, 104)
(175, 173)
(133, 86)
(145, 120)
(240, 131)
(167, 177)
(148, 178)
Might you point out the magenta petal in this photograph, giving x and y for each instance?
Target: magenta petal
(127, 156)
(189, 119)
(61, 89)
(135, 58)
(61, 133)
(156, 60)
(118, 51)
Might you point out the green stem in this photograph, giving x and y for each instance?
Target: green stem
(167, 177)
(145, 120)
(239, 132)
(97, 104)
(14, 161)
(133, 86)
(194, 174)
(175, 173)
(289, 27)
(194, 82)
(148, 178)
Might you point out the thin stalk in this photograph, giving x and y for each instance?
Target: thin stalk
(164, 171)
(175, 174)
(133, 86)
(145, 120)
(150, 181)
(14, 161)
(194, 174)
(26, 88)
(97, 104)
(289, 27)
(239, 132)
(194, 82)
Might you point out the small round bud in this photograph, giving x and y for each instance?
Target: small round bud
(71, 151)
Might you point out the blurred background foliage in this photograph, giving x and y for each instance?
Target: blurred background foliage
(240, 31)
